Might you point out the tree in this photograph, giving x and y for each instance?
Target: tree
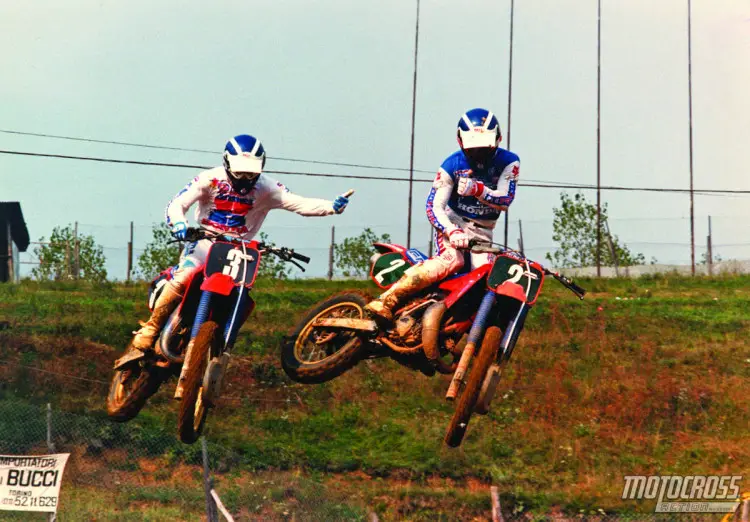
(271, 267)
(574, 229)
(352, 256)
(159, 253)
(58, 260)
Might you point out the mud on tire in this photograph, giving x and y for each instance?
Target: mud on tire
(189, 424)
(468, 399)
(129, 390)
(339, 354)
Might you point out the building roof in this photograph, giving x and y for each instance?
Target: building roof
(18, 231)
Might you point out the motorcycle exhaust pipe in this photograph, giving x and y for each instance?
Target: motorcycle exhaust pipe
(431, 320)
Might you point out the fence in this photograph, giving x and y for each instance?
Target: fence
(139, 471)
(661, 240)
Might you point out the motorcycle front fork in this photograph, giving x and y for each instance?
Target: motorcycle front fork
(510, 337)
(217, 365)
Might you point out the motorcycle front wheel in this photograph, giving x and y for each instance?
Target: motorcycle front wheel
(312, 355)
(193, 409)
(468, 399)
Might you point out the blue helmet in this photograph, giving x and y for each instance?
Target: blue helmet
(244, 158)
(479, 135)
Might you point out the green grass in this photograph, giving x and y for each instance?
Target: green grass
(645, 376)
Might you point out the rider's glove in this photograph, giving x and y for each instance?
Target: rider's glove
(458, 238)
(179, 230)
(469, 187)
(340, 203)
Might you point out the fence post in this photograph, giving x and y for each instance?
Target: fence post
(67, 259)
(612, 249)
(51, 447)
(208, 485)
(330, 253)
(497, 514)
(11, 272)
(520, 236)
(76, 253)
(130, 252)
(710, 253)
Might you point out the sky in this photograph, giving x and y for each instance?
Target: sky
(331, 80)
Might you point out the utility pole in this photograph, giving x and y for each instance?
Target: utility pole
(413, 121)
(130, 252)
(690, 136)
(599, 139)
(510, 95)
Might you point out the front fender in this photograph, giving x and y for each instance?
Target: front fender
(513, 290)
(218, 283)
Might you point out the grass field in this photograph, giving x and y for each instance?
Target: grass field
(648, 376)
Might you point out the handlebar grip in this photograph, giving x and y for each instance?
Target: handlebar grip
(580, 292)
(301, 257)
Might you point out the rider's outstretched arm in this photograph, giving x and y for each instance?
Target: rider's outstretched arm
(437, 201)
(503, 195)
(282, 198)
(184, 199)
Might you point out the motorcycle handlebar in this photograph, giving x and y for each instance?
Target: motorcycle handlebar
(567, 283)
(285, 254)
(300, 257)
(480, 246)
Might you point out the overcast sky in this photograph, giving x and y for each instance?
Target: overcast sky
(331, 80)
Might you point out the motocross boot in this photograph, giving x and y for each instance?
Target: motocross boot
(413, 280)
(168, 300)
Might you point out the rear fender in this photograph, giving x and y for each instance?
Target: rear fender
(384, 248)
(218, 283)
(133, 354)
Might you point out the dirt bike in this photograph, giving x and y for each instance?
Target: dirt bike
(489, 303)
(197, 339)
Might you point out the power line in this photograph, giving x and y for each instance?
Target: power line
(376, 178)
(214, 153)
(202, 151)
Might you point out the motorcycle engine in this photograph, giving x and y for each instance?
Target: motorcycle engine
(405, 325)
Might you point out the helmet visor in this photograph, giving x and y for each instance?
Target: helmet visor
(244, 175)
(246, 167)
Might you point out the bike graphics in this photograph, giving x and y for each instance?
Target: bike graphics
(196, 342)
(477, 316)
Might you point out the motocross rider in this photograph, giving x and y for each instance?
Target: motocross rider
(233, 200)
(472, 187)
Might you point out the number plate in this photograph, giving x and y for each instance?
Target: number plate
(508, 268)
(229, 259)
(388, 269)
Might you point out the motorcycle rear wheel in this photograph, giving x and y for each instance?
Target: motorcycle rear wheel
(311, 355)
(130, 388)
(468, 399)
(193, 410)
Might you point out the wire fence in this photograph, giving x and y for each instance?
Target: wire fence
(140, 471)
(661, 241)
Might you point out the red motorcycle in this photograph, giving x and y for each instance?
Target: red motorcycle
(489, 303)
(197, 339)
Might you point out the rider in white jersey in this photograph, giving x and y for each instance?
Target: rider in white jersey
(232, 200)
